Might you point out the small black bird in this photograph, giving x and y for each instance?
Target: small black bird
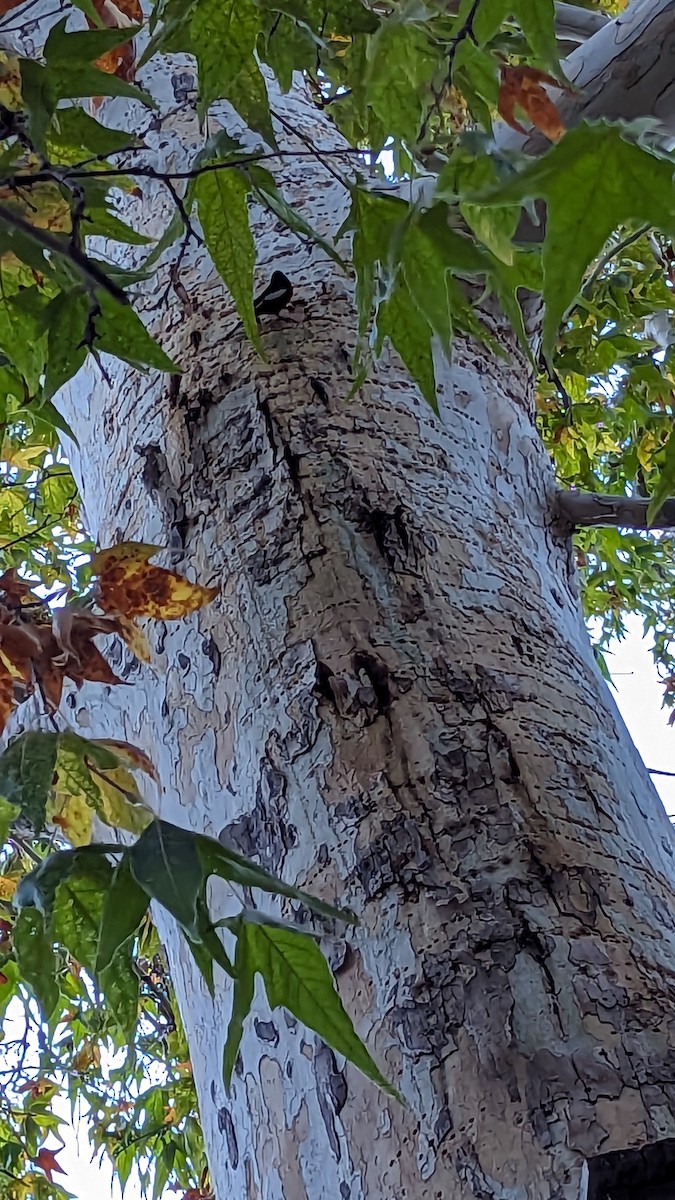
(277, 295)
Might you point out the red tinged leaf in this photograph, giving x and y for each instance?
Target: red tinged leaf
(48, 1162)
(524, 86)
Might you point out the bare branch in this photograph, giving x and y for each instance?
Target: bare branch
(584, 509)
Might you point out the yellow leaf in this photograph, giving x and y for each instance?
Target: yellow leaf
(72, 815)
(129, 585)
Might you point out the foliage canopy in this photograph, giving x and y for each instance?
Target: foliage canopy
(416, 91)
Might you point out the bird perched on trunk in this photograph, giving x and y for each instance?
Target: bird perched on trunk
(277, 295)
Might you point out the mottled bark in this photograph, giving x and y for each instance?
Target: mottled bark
(393, 703)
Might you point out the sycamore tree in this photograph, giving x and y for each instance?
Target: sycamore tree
(336, 387)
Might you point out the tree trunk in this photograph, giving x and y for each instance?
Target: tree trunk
(394, 704)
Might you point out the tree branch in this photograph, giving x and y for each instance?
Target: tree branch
(584, 509)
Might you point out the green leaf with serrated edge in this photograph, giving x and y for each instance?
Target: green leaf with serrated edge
(594, 181)
(401, 65)
(247, 93)
(36, 959)
(125, 907)
(217, 859)
(410, 334)
(8, 814)
(66, 319)
(26, 770)
(78, 905)
(266, 190)
(166, 864)
(74, 135)
(378, 222)
(296, 977)
(40, 97)
(120, 331)
(63, 49)
(221, 198)
(223, 35)
(120, 986)
(665, 484)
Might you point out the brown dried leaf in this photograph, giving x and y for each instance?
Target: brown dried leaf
(523, 86)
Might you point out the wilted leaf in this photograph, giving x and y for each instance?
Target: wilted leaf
(524, 86)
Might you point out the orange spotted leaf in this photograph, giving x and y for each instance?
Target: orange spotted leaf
(524, 86)
(128, 584)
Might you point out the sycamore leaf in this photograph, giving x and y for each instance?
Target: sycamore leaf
(410, 335)
(36, 959)
(78, 906)
(26, 771)
(125, 907)
(221, 198)
(120, 332)
(665, 485)
(217, 859)
(593, 181)
(128, 584)
(69, 57)
(296, 977)
(165, 863)
(223, 36)
(48, 1162)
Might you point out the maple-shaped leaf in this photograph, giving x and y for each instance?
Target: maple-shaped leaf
(595, 180)
(48, 1162)
(130, 585)
(524, 86)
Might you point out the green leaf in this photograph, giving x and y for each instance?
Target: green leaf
(217, 859)
(223, 212)
(36, 959)
(223, 36)
(69, 57)
(296, 977)
(665, 485)
(166, 864)
(66, 319)
(74, 135)
(409, 333)
(40, 97)
(125, 907)
(120, 331)
(594, 180)
(26, 770)
(265, 189)
(78, 905)
(8, 814)
(120, 986)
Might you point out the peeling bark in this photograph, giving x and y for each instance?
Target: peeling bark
(393, 703)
